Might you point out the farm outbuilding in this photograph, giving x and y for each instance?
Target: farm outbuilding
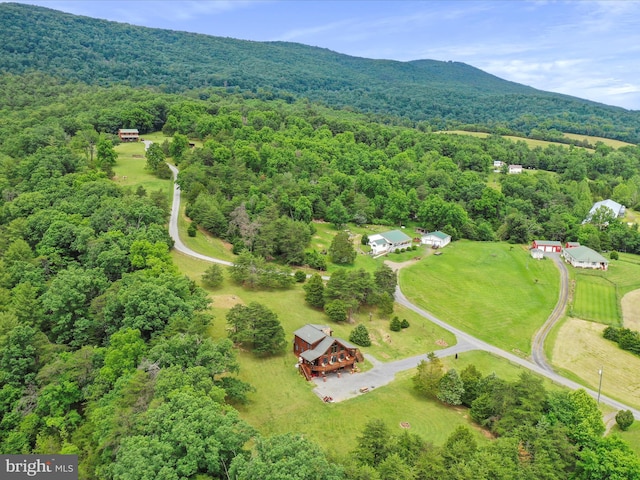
(548, 246)
(584, 257)
(537, 253)
(436, 239)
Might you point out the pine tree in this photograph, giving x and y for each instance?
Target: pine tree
(314, 291)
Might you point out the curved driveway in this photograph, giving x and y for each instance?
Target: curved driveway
(383, 373)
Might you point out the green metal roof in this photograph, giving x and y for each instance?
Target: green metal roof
(396, 236)
(585, 254)
(439, 234)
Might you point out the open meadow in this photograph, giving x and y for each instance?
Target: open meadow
(494, 291)
(532, 143)
(580, 352)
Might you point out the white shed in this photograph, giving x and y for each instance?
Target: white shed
(436, 239)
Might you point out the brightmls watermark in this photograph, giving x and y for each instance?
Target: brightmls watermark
(50, 467)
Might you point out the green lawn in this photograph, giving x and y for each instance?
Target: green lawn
(595, 300)
(599, 293)
(130, 172)
(494, 291)
(631, 436)
(284, 402)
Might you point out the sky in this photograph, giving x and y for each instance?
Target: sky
(585, 48)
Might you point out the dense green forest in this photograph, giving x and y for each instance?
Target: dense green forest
(104, 350)
(444, 94)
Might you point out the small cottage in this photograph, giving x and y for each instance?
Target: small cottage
(319, 352)
(515, 169)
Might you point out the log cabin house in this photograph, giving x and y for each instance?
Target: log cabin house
(320, 353)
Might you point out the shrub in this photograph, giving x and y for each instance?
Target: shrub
(192, 230)
(315, 260)
(300, 276)
(364, 240)
(395, 326)
(360, 336)
(614, 255)
(336, 310)
(404, 323)
(414, 247)
(624, 419)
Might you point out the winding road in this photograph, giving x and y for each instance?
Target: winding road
(383, 373)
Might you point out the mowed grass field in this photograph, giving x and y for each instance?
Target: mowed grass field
(595, 299)
(580, 352)
(493, 291)
(598, 294)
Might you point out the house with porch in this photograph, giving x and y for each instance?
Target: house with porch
(436, 239)
(319, 352)
(388, 242)
(129, 134)
(584, 257)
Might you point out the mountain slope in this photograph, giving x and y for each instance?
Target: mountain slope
(102, 52)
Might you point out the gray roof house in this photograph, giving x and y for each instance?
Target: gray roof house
(320, 353)
(616, 209)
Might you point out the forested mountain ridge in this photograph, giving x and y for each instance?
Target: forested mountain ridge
(443, 93)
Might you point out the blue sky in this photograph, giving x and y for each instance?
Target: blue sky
(586, 48)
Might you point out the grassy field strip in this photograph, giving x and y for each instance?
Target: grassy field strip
(580, 348)
(543, 143)
(491, 290)
(593, 140)
(595, 299)
(631, 310)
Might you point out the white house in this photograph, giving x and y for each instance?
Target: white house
(584, 257)
(436, 239)
(388, 241)
(515, 169)
(616, 209)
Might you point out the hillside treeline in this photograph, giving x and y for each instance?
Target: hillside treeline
(104, 350)
(263, 163)
(445, 94)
